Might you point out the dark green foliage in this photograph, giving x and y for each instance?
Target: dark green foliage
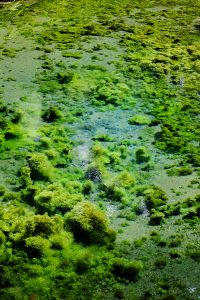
(169, 138)
(160, 241)
(174, 241)
(175, 253)
(160, 263)
(194, 254)
(193, 156)
(169, 297)
(189, 208)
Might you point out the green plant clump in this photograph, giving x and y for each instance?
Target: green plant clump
(142, 155)
(40, 167)
(89, 224)
(126, 269)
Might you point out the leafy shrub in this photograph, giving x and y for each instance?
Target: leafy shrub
(125, 180)
(61, 240)
(88, 187)
(45, 142)
(2, 190)
(113, 192)
(2, 238)
(181, 171)
(64, 77)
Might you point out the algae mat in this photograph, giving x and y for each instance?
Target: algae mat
(99, 116)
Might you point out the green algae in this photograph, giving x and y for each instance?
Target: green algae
(116, 101)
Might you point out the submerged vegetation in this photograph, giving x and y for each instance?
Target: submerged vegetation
(99, 117)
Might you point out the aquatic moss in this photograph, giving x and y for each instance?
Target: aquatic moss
(36, 225)
(156, 218)
(142, 155)
(25, 177)
(36, 246)
(154, 197)
(89, 224)
(56, 199)
(40, 167)
(139, 120)
(126, 269)
(51, 114)
(180, 171)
